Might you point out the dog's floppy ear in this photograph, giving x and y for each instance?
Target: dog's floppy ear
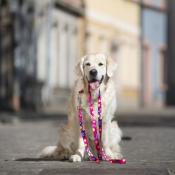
(111, 67)
(79, 67)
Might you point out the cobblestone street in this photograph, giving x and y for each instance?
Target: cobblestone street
(150, 151)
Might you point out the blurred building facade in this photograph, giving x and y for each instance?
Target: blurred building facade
(41, 41)
(171, 54)
(113, 28)
(6, 55)
(154, 33)
(22, 67)
(60, 30)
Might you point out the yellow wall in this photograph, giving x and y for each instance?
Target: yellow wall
(117, 21)
(120, 9)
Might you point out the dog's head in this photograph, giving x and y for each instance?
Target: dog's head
(95, 69)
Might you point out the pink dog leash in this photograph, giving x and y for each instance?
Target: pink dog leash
(101, 155)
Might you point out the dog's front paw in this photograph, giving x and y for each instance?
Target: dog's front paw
(75, 158)
(116, 156)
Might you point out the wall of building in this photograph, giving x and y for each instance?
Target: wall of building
(60, 44)
(113, 31)
(154, 39)
(6, 55)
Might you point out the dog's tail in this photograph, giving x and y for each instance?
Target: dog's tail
(55, 152)
(48, 152)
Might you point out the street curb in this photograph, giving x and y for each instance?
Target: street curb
(147, 117)
(143, 117)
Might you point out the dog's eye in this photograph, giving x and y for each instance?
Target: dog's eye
(87, 64)
(100, 64)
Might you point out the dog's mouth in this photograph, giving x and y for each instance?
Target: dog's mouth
(94, 83)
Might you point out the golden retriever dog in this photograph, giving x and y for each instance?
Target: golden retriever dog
(96, 71)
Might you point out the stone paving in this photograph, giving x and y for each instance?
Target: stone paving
(151, 151)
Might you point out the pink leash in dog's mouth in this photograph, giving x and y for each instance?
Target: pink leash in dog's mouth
(101, 155)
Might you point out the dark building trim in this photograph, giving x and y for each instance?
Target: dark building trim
(171, 54)
(70, 9)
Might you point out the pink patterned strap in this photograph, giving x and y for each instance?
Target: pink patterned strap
(97, 139)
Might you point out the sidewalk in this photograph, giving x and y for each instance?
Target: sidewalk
(149, 152)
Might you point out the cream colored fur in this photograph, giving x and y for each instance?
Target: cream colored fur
(70, 145)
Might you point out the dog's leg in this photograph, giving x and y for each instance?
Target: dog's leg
(105, 138)
(79, 154)
(115, 138)
(111, 138)
(67, 144)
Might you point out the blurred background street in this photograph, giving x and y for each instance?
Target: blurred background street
(40, 44)
(149, 149)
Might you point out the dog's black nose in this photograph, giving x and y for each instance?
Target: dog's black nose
(93, 72)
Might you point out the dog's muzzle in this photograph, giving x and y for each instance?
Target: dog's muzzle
(94, 83)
